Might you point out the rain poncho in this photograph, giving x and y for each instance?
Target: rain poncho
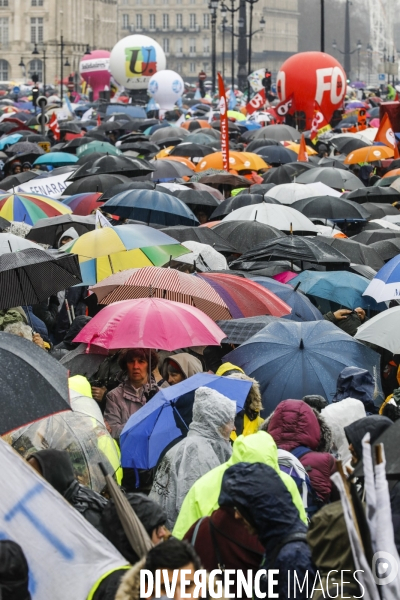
(337, 416)
(69, 233)
(203, 449)
(202, 498)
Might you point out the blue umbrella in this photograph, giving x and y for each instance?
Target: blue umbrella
(386, 283)
(292, 360)
(56, 159)
(302, 308)
(9, 140)
(165, 419)
(150, 207)
(276, 154)
(342, 287)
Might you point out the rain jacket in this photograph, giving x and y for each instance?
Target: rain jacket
(338, 416)
(203, 449)
(188, 364)
(374, 424)
(260, 495)
(359, 384)
(295, 424)
(14, 572)
(248, 420)
(202, 498)
(69, 233)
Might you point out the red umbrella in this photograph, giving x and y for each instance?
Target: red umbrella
(248, 296)
(84, 204)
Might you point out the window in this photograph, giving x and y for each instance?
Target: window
(125, 21)
(179, 21)
(206, 20)
(206, 45)
(178, 45)
(139, 22)
(179, 1)
(4, 31)
(37, 2)
(192, 44)
(4, 70)
(152, 21)
(36, 66)
(165, 44)
(192, 1)
(152, 2)
(4, 3)
(125, 1)
(138, 2)
(192, 20)
(165, 2)
(36, 30)
(192, 67)
(165, 21)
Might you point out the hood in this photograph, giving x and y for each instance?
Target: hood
(355, 383)
(14, 572)
(80, 385)
(294, 424)
(56, 468)
(227, 367)
(77, 324)
(211, 410)
(337, 416)
(187, 363)
(374, 424)
(329, 541)
(253, 400)
(129, 588)
(256, 448)
(259, 493)
(71, 233)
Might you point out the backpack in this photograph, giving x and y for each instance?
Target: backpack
(289, 462)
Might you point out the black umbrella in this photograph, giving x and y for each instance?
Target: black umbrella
(356, 253)
(347, 122)
(30, 276)
(379, 211)
(330, 207)
(336, 178)
(89, 159)
(169, 136)
(232, 127)
(48, 231)
(364, 270)
(266, 268)
(79, 363)
(12, 181)
(4, 224)
(96, 183)
(246, 235)
(280, 133)
(133, 137)
(258, 188)
(390, 441)
(347, 144)
(384, 195)
(141, 147)
(276, 155)
(332, 161)
(190, 150)
(25, 148)
(95, 135)
(118, 165)
(238, 331)
(195, 197)
(34, 385)
(69, 127)
(113, 126)
(72, 145)
(27, 136)
(167, 170)
(286, 173)
(298, 248)
(255, 144)
(387, 249)
(369, 237)
(204, 235)
(234, 202)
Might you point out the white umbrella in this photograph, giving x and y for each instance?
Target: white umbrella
(205, 257)
(283, 218)
(287, 193)
(367, 135)
(13, 243)
(386, 224)
(382, 330)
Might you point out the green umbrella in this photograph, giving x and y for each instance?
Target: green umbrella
(97, 146)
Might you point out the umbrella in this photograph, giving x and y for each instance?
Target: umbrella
(96, 183)
(13, 243)
(343, 288)
(332, 161)
(4, 224)
(71, 146)
(169, 136)
(206, 138)
(123, 187)
(28, 149)
(30, 276)
(245, 235)
(371, 236)
(232, 127)
(48, 231)
(69, 127)
(221, 178)
(167, 170)
(258, 188)
(193, 185)
(168, 415)
(367, 272)
(150, 323)
(13, 181)
(203, 235)
(348, 143)
(89, 159)
(194, 124)
(380, 330)
(196, 197)
(9, 140)
(109, 250)
(84, 204)
(244, 297)
(140, 147)
(386, 283)
(283, 218)
(291, 192)
(335, 178)
(369, 154)
(380, 211)
(29, 208)
(374, 194)
(193, 151)
(157, 282)
(150, 207)
(266, 268)
(97, 146)
(286, 173)
(239, 161)
(255, 144)
(118, 165)
(291, 359)
(278, 133)
(285, 276)
(386, 249)
(36, 382)
(240, 330)
(329, 207)
(235, 202)
(56, 159)
(356, 253)
(276, 155)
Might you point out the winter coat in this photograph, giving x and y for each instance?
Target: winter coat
(261, 497)
(203, 449)
(374, 424)
(248, 420)
(337, 416)
(188, 364)
(202, 498)
(295, 424)
(349, 325)
(359, 384)
(68, 344)
(14, 572)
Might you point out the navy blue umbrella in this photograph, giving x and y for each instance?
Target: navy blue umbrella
(276, 155)
(292, 360)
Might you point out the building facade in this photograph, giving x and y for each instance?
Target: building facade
(24, 23)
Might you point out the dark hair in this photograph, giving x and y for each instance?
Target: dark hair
(391, 411)
(172, 554)
(129, 353)
(315, 401)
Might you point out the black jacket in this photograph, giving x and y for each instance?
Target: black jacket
(374, 424)
(14, 572)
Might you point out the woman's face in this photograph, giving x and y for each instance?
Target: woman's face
(226, 430)
(175, 375)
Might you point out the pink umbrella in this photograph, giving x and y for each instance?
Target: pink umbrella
(150, 323)
(375, 122)
(285, 276)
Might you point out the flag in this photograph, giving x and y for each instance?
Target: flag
(98, 120)
(319, 124)
(101, 221)
(286, 107)
(151, 105)
(257, 102)
(197, 95)
(232, 100)
(386, 136)
(303, 156)
(224, 123)
(87, 115)
(55, 128)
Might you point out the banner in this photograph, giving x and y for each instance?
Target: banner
(319, 124)
(46, 186)
(255, 79)
(224, 123)
(257, 102)
(303, 155)
(101, 221)
(65, 554)
(385, 135)
(286, 107)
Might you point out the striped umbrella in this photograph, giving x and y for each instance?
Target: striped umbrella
(162, 283)
(106, 251)
(83, 204)
(29, 208)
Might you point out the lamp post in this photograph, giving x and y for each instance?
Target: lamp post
(22, 65)
(322, 25)
(213, 6)
(251, 33)
(347, 55)
(359, 46)
(369, 51)
(36, 52)
(225, 9)
(223, 29)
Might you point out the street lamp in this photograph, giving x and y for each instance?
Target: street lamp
(225, 9)
(369, 51)
(250, 36)
(213, 6)
(359, 46)
(36, 52)
(348, 54)
(223, 29)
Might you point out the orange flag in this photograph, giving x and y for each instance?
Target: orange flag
(98, 120)
(303, 156)
(386, 136)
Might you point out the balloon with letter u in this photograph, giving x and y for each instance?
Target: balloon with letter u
(134, 60)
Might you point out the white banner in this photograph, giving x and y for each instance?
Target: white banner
(65, 554)
(255, 79)
(46, 186)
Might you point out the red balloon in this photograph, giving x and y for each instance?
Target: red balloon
(311, 77)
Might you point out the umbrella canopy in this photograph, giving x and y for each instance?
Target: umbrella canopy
(97, 146)
(84, 204)
(278, 133)
(196, 197)
(348, 143)
(337, 179)
(380, 211)
(151, 207)
(56, 159)
(369, 154)
(286, 173)
(49, 231)
(118, 165)
(276, 155)
(291, 192)
(13, 243)
(255, 144)
(221, 178)
(374, 194)
(386, 283)
(29, 208)
(157, 282)
(357, 253)
(167, 170)
(386, 249)
(329, 207)
(238, 331)
(169, 136)
(150, 323)
(239, 161)
(30, 150)
(235, 202)
(96, 183)
(258, 188)
(193, 151)
(379, 330)
(332, 161)
(47, 392)
(203, 235)
(283, 218)
(292, 360)
(13, 181)
(194, 124)
(168, 415)
(378, 235)
(245, 235)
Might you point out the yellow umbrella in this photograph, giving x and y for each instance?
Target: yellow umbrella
(239, 161)
(296, 148)
(164, 152)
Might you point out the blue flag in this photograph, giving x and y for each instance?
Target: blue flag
(232, 101)
(151, 105)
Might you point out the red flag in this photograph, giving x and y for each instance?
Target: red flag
(98, 120)
(257, 102)
(286, 107)
(386, 136)
(318, 122)
(53, 125)
(224, 123)
(303, 156)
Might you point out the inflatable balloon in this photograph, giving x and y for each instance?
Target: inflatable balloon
(135, 59)
(309, 78)
(166, 87)
(94, 70)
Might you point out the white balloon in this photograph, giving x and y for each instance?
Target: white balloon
(166, 87)
(134, 60)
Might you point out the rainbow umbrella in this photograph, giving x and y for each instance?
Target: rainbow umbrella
(29, 208)
(103, 252)
(83, 204)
